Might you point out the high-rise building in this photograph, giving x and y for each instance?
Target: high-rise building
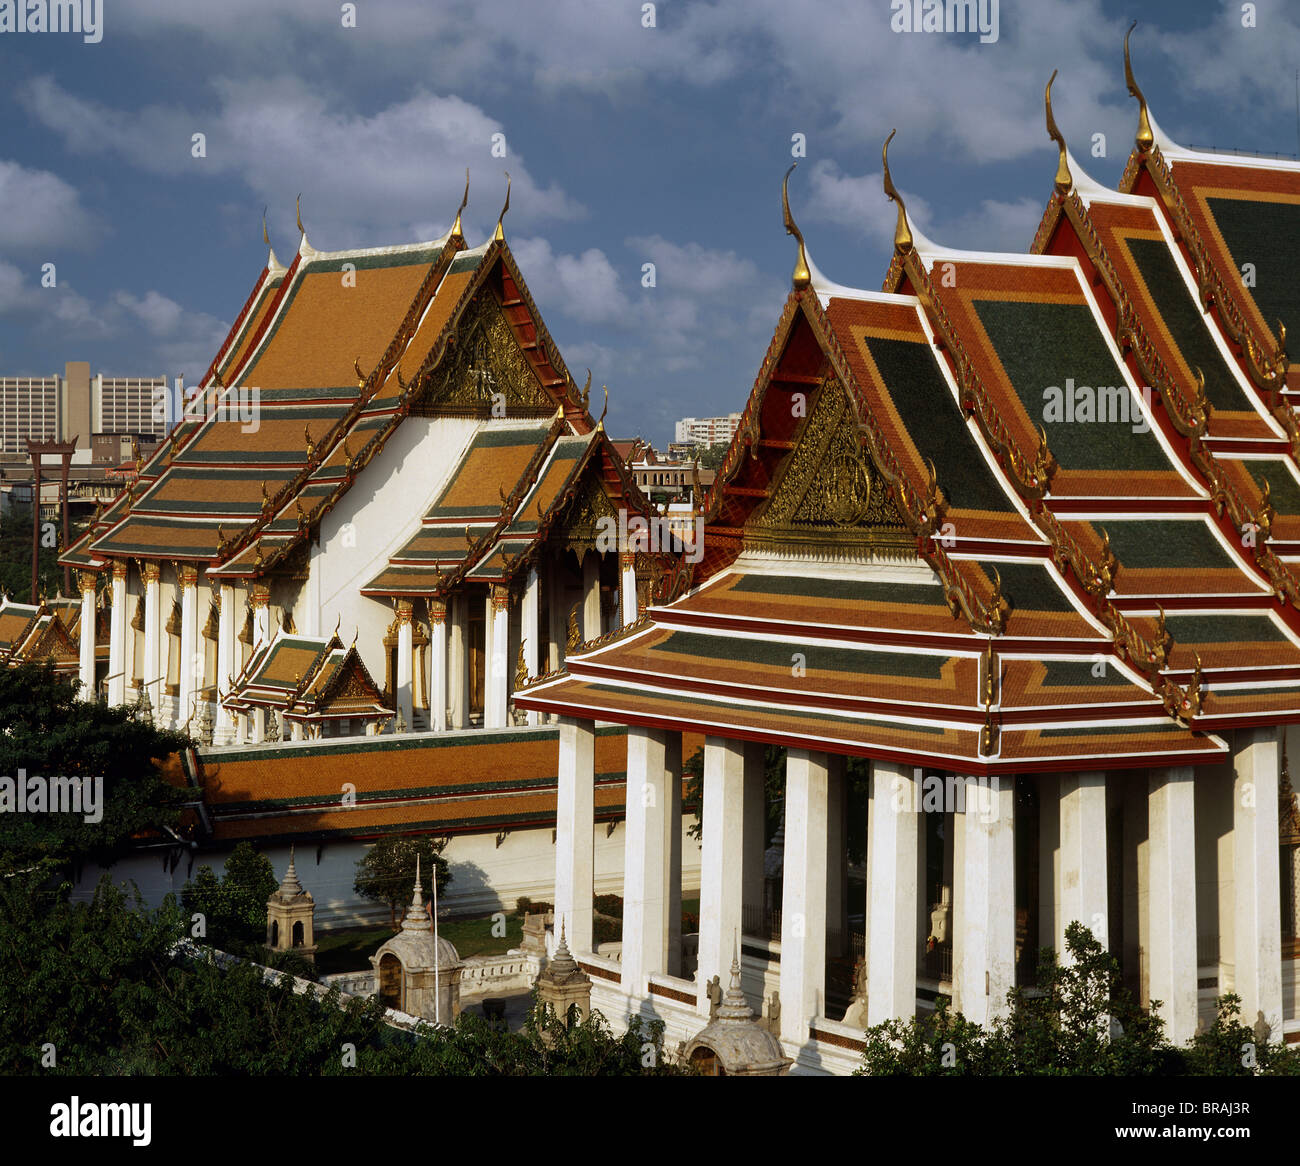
(707, 430)
(77, 405)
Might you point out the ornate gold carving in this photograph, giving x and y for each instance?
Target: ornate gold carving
(575, 636)
(827, 495)
(582, 525)
(485, 361)
(521, 667)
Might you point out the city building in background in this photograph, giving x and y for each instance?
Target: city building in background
(707, 430)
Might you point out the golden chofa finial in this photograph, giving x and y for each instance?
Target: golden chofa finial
(464, 202)
(499, 235)
(265, 237)
(298, 207)
(356, 368)
(1145, 139)
(1063, 179)
(802, 273)
(902, 233)
(600, 424)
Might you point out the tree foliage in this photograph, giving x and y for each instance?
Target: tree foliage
(1080, 1021)
(234, 906)
(100, 986)
(46, 731)
(386, 872)
(16, 556)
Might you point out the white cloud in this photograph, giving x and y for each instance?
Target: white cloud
(585, 287)
(41, 210)
(12, 289)
(363, 178)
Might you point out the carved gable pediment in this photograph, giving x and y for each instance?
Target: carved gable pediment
(827, 497)
(483, 365)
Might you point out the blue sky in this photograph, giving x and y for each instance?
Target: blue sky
(627, 144)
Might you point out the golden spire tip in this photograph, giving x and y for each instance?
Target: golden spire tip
(464, 202)
(902, 233)
(1063, 179)
(1144, 139)
(802, 276)
(499, 235)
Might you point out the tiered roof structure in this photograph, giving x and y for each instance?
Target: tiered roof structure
(953, 529)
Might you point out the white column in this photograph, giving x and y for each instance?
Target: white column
(591, 598)
(498, 666)
(295, 731)
(119, 629)
(984, 950)
(458, 662)
(575, 825)
(260, 598)
(803, 894)
(405, 659)
(720, 862)
(1083, 858)
(438, 665)
(1171, 820)
(151, 670)
(892, 889)
(627, 578)
(1257, 922)
(86, 671)
(226, 615)
(645, 861)
(530, 631)
(188, 683)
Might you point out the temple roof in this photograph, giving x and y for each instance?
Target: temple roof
(441, 329)
(308, 678)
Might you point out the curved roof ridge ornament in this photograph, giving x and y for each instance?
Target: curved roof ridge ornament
(902, 232)
(1144, 138)
(802, 276)
(272, 262)
(304, 247)
(464, 202)
(1064, 181)
(499, 235)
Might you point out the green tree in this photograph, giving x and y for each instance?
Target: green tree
(386, 872)
(1079, 1021)
(234, 907)
(106, 986)
(1228, 1048)
(711, 457)
(16, 556)
(48, 732)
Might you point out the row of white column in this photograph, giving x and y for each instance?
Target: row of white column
(190, 672)
(984, 905)
(449, 646)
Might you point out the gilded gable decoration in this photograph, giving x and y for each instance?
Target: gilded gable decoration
(484, 360)
(827, 495)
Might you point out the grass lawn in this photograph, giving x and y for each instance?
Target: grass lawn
(349, 949)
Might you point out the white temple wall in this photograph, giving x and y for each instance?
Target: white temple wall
(485, 877)
(380, 511)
